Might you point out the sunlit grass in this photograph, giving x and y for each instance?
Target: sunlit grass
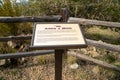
(106, 35)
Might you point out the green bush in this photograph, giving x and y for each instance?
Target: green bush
(1, 78)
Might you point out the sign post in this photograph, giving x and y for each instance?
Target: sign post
(58, 63)
(57, 36)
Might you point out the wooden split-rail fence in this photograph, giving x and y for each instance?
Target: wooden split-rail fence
(63, 17)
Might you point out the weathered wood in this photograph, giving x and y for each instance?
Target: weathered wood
(98, 62)
(25, 54)
(30, 19)
(94, 22)
(103, 45)
(58, 64)
(65, 14)
(89, 42)
(5, 39)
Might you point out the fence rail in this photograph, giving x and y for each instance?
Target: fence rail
(5, 39)
(31, 19)
(98, 62)
(94, 22)
(25, 54)
(44, 52)
(89, 42)
(103, 45)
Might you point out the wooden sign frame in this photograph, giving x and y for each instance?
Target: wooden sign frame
(63, 46)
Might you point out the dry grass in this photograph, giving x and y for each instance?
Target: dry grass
(42, 68)
(43, 72)
(106, 35)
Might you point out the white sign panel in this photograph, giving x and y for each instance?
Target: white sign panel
(57, 34)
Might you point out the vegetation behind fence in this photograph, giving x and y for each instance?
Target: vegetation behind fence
(20, 33)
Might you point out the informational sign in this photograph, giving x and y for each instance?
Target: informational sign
(57, 35)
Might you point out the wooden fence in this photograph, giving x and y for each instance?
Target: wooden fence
(30, 19)
(59, 18)
(94, 22)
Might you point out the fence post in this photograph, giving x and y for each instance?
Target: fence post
(65, 14)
